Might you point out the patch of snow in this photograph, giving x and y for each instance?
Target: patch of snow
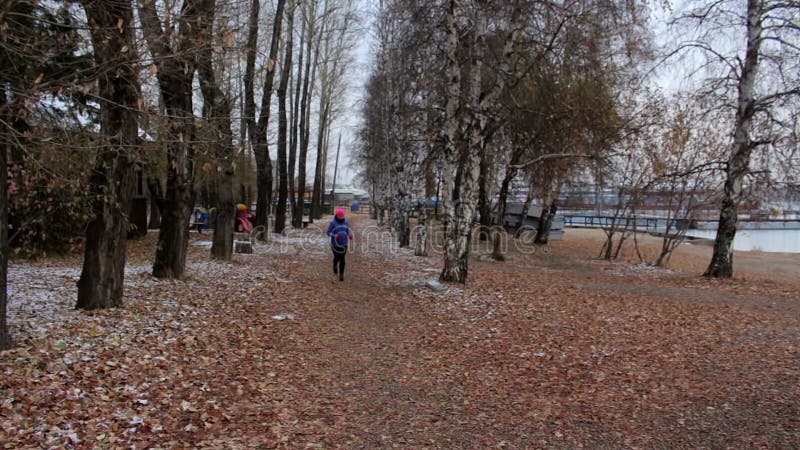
(285, 316)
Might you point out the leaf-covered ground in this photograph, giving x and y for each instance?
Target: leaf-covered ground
(548, 350)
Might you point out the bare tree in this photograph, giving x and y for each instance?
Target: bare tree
(175, 61)
(284, 179)
(333, 64)
(314, 28)
(758, 82)
(263, 161)
(111, 184)
(217, 114)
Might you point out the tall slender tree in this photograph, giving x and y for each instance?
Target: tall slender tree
(311, 24)
(749, 54)
(283, 170)
(263, 161)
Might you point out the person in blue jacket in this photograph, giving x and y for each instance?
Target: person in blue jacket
(341, 235)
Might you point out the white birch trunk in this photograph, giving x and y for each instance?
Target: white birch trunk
(721, 265)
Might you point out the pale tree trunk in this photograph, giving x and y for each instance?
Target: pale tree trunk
(176, 69)
(451, 130)
(217, 112)
(456, 252)
(721, 265)
(283, 174)
(421, 248)
(112, 182)
(5, 336)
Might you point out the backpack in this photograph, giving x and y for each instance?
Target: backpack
(341, 233)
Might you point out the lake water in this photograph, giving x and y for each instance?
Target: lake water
(780, 241)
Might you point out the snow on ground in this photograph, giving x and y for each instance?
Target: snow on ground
(292, 242)
(640, 270)
(41, 299)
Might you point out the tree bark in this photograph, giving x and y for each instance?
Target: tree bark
(316, 196)
(263, 161)
(721, 265)
(217, 112)
(295, 123)
(154, 188)
(175, 74)
(484, 202)
(283, 174)
(421, 248)
(545, 222)
(305, 112)
(112, 181)
(5, 336)
(456, 253)
(451, 131)
(249, 104)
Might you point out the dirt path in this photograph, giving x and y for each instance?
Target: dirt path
(370, 342)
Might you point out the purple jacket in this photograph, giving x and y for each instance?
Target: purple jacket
(340, 232)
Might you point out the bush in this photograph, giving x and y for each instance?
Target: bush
(48, 210)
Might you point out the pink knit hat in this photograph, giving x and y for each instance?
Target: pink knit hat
(340, 213)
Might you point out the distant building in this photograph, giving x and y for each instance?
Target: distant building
(346, 196)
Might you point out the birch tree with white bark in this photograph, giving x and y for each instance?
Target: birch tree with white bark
(751, 65)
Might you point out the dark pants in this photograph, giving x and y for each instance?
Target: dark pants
(338, 260)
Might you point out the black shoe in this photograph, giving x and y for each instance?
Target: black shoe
(341, 278)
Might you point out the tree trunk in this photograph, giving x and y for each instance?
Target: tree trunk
(484, 202)
(456, 254)
(421, 248)
(112, 182)
(545, 222)
(283, 175)
(721, 265)
(154, 188)
(305, 111)
(175, 75)
(502, 203)
(263, 161)
(451, 130)
(217, 112)
(527, 205)
(249, 102)
(316, 196)
(5, 336)
(295, 123)
(459, 233)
